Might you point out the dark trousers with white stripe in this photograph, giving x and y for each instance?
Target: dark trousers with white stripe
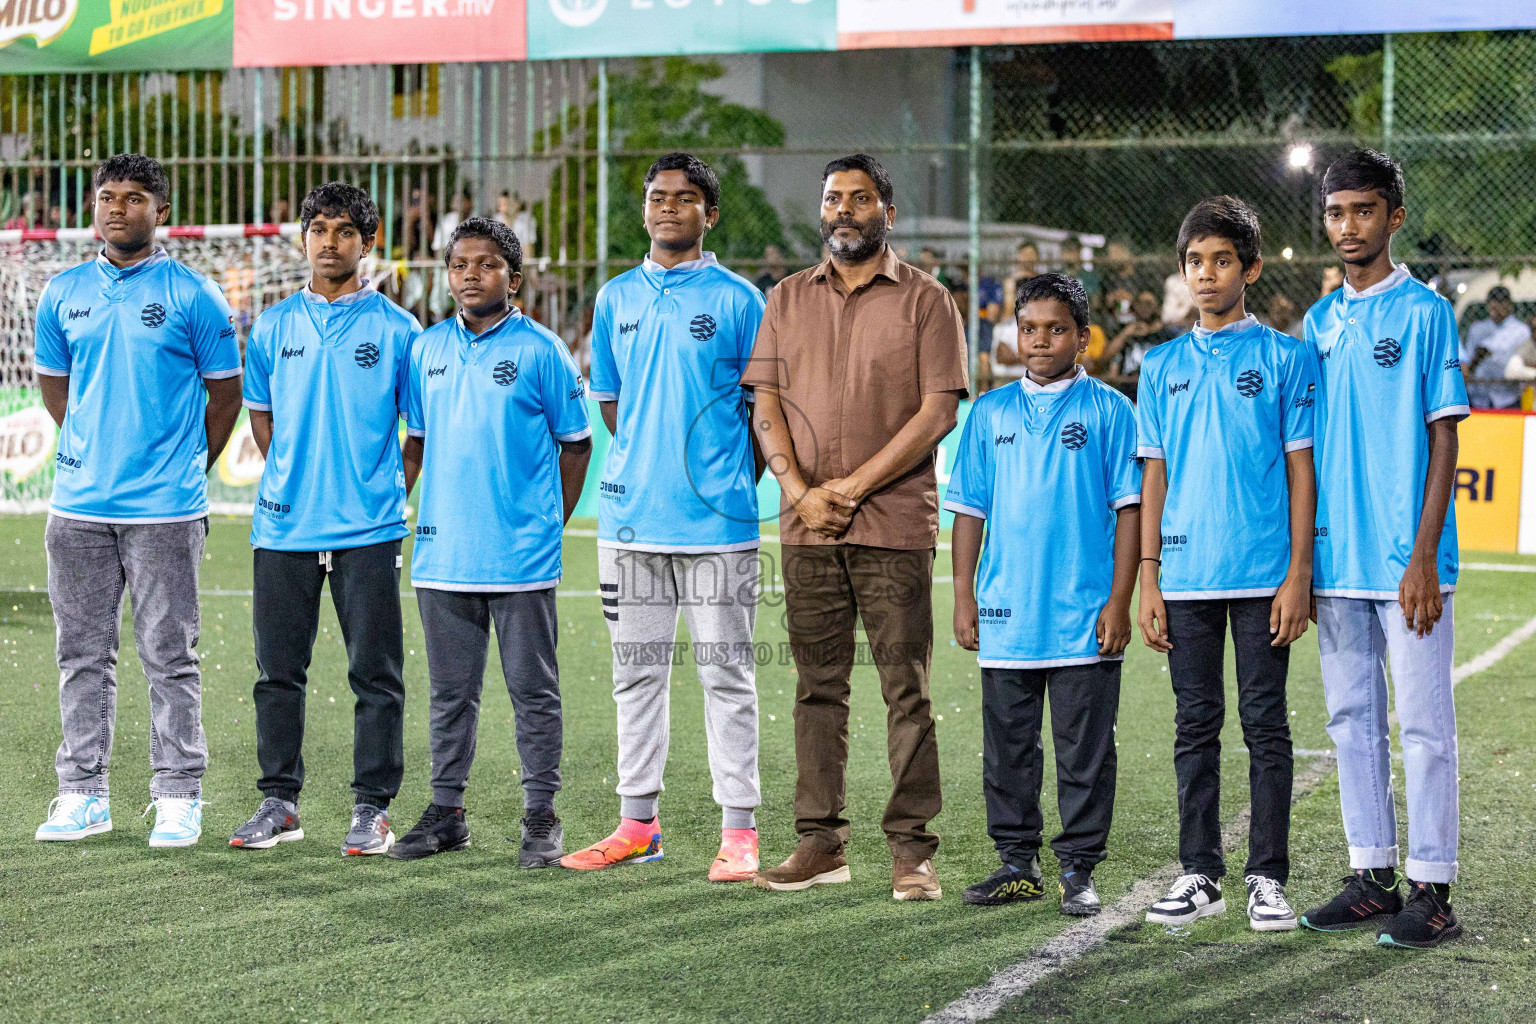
(1084, 702)
(285, 610)
(1198, 632)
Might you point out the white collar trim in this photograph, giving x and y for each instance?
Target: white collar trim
(149, 261)
(1234, 327)
(705, 260)
(1386, 284)
(512, 312)
(350, 297)
(1055, 387)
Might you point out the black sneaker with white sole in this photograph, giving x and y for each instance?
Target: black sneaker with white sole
(543, 841)
(274, 822)
(1425, 921)
(1078, 896)
(440, 829)
(1369, 897)
(1268, 910)
(1008, 884)
(1191, 898)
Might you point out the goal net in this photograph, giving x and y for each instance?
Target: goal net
(255, 265)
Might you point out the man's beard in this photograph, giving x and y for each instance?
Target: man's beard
(870, 241)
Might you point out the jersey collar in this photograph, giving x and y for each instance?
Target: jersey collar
(1236, 327)
(1386, 284)
(1054, 388)
(345, 300)
(115, 272)
(707, 259)
(484, 335)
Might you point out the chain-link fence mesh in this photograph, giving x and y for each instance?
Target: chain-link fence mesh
(1092, 150)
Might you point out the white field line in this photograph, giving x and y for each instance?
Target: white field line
(984, 1001)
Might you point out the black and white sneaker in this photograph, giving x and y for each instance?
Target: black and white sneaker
(1268, 910)
(543, 841)
(1191, 898)
(1078, 896)
(1425, 921)
(275, 821)
(1008, 884)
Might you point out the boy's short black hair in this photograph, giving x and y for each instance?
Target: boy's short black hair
(1067, 290)
(699, 173)
(870, 166)
(335, 198)
(1366, 170)
(137, 168)
(496, 231)
(1223, 217)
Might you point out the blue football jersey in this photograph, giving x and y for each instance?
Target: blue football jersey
(669, 347)
(491, 409)
(1223, 408)
(1390, 359)
(136, 345)
(333, 376)
(1046, 468)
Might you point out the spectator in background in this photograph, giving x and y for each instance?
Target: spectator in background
(1125, 351)
(1072, 265)
(1333, 280)
(1026, 264)
(461, 210)
(989, 311)
(503, 214)
(930, 262)
(1522, 365)
(774, 269)
(524, 226)
(1280, 314)
(280, 212)
(1491, 344)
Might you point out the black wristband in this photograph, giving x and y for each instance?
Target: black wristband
(1159, 561)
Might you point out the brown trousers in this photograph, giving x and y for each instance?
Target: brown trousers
(827, 588)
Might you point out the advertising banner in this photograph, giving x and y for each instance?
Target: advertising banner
(271, 33)
(888, 23)
(1226, 19)
(49, 36)
(638, 28)
(1488, 484)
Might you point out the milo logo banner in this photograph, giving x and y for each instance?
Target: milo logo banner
(45, 36)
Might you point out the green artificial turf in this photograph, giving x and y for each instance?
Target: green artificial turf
(107, 929)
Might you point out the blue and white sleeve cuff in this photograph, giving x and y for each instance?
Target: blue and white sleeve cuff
(964, 510)
(258, 406)
(1461, 412)
(1146, 451)
(603, 396)
(49, 371)
(583, 433)
(222, 374)
(1299, 444)
(413, 432)
(1125, 502)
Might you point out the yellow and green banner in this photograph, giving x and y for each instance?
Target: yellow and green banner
(48, 36)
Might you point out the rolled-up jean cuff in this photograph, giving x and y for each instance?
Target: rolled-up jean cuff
(100, 791)
(1367, 857)
(1429, 871)
(156, 794)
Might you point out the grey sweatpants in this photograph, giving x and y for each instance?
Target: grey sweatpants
(457, 629)
(89, 565)
(642, 593)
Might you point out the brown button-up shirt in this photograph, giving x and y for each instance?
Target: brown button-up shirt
(851, 371)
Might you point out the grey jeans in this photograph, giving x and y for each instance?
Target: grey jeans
(89, 565)
(457, 629)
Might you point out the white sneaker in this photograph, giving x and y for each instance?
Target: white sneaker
(75, 816)
(1191, 898)
(1267, 909)
(178, 822)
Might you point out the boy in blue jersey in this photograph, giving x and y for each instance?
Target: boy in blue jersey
(1224, 422)
(1392, 394)
(1049, 464)
(127, 346)
(677, 520)
(325, 386)
(497, 417)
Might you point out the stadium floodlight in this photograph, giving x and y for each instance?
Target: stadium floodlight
(1300, 156)
(1287, 253)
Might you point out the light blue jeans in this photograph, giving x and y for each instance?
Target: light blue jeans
(1356, 638)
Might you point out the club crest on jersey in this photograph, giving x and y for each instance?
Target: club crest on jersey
(367, 355)
(703, 327)
(1388, 352)
(1074, 435)
(505, 373)
(152, 315)
(1250, 383)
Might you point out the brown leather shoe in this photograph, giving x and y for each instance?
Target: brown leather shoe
(806, 867)
(914, 880)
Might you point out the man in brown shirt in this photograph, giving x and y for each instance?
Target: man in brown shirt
(859, 367)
